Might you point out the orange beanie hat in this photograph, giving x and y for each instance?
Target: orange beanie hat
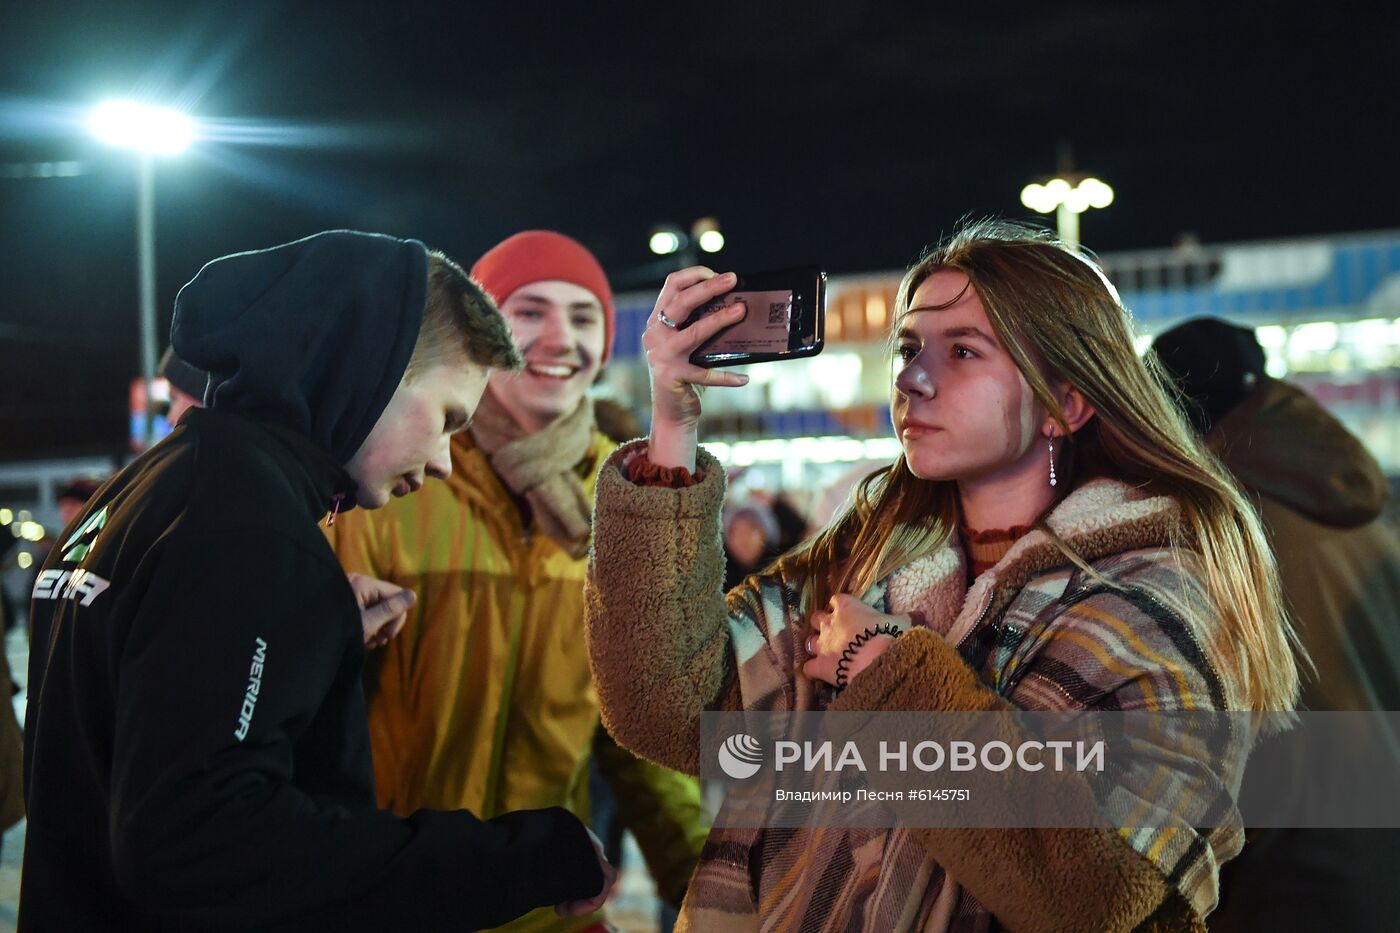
(543, 255)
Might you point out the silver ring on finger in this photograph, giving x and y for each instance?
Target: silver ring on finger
(661, 316)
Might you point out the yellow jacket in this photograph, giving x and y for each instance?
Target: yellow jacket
(485, 700)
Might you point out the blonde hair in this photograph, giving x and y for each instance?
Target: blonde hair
(1060, 320)
(460, 324)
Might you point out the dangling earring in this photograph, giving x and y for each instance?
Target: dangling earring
(1051, 442)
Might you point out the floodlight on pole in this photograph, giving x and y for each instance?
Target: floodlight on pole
(1067, 195)
(128, 124)
(711, 241)
(150, 131)
(669, 239)
(706, 234)
(666, 240)
(1067, 200)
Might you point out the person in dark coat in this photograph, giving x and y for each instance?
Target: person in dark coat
(197, 755)
(1320, 495)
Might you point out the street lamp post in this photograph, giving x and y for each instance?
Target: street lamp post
(146, 264)
(1068, 194)
(150, 131)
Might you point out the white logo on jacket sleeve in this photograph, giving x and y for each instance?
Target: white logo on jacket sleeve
(69, 584)
(250, 698)
(77, 547)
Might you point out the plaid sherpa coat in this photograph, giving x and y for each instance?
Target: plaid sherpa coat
(1034, 632)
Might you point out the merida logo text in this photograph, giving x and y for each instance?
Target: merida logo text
(250, 699)
(69, 584)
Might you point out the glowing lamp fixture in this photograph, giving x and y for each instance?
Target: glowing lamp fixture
(1047, 198)
(1067, 195)
(669, 239)
(132, 125)
(707, 235)
(666, 240)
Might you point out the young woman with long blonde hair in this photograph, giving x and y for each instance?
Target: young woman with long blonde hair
(1053, 537)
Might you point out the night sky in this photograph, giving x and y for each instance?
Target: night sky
(846, 134)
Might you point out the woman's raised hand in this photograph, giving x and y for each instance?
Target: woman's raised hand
(675, 381)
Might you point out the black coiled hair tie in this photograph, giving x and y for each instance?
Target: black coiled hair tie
(847, 656)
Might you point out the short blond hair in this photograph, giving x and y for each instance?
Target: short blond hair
(461, 324)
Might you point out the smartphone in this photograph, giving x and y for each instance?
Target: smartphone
(786, 319)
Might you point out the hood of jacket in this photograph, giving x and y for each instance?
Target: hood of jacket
(313, 336)
(1279, 442)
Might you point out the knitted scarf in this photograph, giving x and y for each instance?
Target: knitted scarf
(541, 468)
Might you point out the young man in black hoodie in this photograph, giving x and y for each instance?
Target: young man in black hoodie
(196, 749)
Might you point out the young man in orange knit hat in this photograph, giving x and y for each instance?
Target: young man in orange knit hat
(485, 700)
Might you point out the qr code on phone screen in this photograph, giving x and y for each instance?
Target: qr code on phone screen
(777, 312)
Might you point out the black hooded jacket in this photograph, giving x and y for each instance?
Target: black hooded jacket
(197, 755)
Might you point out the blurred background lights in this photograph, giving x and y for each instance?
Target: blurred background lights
(1098, 193)
(132, 125)
(41, 169)
(705, 232)
(815, 449)
(664, 242)
(1035, 197)
(669, 239)
(1047, 198)
(1318, 337)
